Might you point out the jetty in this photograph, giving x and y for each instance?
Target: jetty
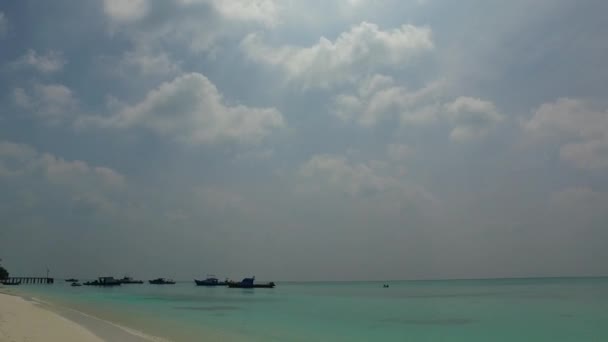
(29, 280)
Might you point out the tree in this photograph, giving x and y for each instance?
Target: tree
(3, 272)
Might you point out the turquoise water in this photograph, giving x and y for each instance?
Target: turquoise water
(570, 309)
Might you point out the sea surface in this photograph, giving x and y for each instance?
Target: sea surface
(551, 309)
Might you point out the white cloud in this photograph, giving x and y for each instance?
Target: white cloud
(473, 118)
(264, 11)
(75, 180)
(190, 109)
(51, 62)
(3, 24)
(150, 63)
(378, 98)
(53, 102)
(121, 10)
(354, 53)
(567, 118)
(349, 177)
(581, 131)
(199, 25)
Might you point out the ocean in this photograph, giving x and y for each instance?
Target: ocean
(551, 309)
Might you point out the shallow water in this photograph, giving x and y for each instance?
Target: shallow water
(568, 309)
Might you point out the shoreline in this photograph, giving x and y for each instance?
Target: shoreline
(24, 318)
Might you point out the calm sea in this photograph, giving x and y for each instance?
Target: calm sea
(569, 309)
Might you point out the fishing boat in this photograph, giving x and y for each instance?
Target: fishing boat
(249, 283)
(129, 280)
(71, 280)
(211, 280)
(103, 281)
(76, 284)
(161, 281)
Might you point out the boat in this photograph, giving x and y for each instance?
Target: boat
(10, 282)
(103, 281)
(71, 280)
(161, 281)
(75, 284)
(249, 283)
(211, 281)
(129, 280)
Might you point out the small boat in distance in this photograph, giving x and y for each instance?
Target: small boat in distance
(103, 281)
(10, 282)
(211, 281)
(75, 284)
(129, 280)
(249, 283)
(71, 280)
(161, 281)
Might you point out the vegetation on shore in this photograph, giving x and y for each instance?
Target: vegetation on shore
(3, 272)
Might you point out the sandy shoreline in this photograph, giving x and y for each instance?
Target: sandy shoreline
(22, 320)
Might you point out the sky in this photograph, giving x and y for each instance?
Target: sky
(304, 140)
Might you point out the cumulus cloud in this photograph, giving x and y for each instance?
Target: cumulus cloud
(349, 177)
(264, 11)
(190, 109)
(50, 62)
(580, 130)
(361, 179)
(76, 180)
(473, 118)
(148, 63)
(567, 117)
(354, 53)
(52, 102)
(125, 11)
(199, 25)
(378, 97)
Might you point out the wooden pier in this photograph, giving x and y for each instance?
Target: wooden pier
(30, 280)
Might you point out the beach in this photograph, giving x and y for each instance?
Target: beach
(22, 320)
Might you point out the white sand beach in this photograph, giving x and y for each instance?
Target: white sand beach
(22, 320)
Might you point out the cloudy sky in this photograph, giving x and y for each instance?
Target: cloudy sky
(304, 140)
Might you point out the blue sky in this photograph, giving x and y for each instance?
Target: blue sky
(302, 140)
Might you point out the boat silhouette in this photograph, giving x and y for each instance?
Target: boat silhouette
(103, 281)
(129, 280)
(161, 281)
(249, 283)
(211, 280)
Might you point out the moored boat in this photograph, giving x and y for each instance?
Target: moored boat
(71, 280)
(76, 284)
(211, 281)
(103, 281)
(129, 280)
(161, 281)
(249, 283)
